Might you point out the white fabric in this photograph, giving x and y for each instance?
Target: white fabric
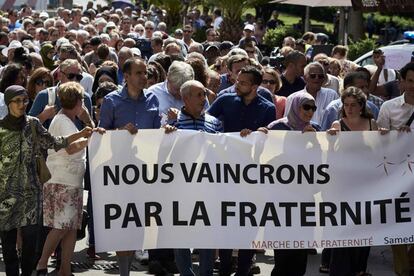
(217, 23)
(87, 82)
(395, 113)
(332, 83)
(65, 168)
(3, 108)
(323, 98)
(362, 168)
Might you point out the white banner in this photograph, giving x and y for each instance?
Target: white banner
(281, 190)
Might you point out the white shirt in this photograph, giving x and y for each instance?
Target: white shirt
(3, 108)
(323, 98)
(217, 22)
(332, 83)
(395, 113)
(87, 82)
(67, 169)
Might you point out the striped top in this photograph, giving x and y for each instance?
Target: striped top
(205, 123)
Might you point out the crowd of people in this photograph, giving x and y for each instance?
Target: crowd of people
(95, 69)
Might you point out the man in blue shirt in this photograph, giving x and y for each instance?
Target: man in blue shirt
(243, 112)
(131, 109)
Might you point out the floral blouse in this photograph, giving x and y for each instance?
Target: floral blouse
(20, 189)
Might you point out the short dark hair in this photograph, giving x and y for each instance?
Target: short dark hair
(361, 98)
(104, 89)
(157, 40)
(351, 78)
(293, 57)
(408, 67)
(236, 59)
(257, 75)
(126, 69)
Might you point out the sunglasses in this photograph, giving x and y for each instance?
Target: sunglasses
(308, 107)
(186, 31)
(72, 76)
(21, 101)
(269, 82)
(42, 82)
(146, 28)
(319, 76)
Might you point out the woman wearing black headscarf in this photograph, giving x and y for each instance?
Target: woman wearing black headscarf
(20, 188)
(105, 73)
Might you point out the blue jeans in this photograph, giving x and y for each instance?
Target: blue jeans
(185, 266)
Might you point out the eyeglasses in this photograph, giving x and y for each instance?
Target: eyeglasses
(147, 28)
(21, 101)
(251, 51)
(272, 82)
(319, 76)
(187, 31)
(72, 76)
(308, 107)
(42, 82)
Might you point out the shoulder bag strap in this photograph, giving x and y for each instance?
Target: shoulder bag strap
(410, 120)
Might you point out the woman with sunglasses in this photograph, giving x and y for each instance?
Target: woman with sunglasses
(355, 117)
(20, 188)
(271, 80)
(40, 79)
(294, 261)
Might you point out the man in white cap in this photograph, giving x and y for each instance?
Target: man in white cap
(248, 33)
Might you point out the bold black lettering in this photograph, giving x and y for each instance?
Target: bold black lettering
(269, 208)
(309, 175)
(291, 175)
(304, 213)
(145, 174)
(176, 219)
(383, 208)
(153, 214)
(225, 213)
(266, 171)
(125, 174)
(399, 209)
(368, 216)
(188, 176)
(114, 177)
(325, 214)
(355, 216)
(131, 214)
(218, 173)
(235, 175)
(288, 211)
(246, 174)
(200, 207)
(205, 171)
(166, 172)
(244, 213)
(108, 216)
(324, 174)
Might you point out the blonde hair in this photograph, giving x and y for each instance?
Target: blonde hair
(69, 94)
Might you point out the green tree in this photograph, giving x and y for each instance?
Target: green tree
(232, 11)
(173, 8)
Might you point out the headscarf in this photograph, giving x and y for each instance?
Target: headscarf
(106, 70)
(293, 120)
(44, 51)
(11, 122)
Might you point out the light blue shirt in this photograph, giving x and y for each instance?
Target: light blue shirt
(332, 113)
(3, 108)
(118, 109)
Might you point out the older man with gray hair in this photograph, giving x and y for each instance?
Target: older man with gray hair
(315, 77)
(168, 92)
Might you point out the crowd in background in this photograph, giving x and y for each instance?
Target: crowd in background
(96, 69)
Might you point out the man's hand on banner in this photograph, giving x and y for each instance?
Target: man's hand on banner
(168, 129)
(130, 127)
(244, 132)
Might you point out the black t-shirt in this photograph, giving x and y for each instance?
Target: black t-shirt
(290, 88)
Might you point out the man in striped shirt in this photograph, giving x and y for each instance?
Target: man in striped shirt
(192, 114)
(192, 117)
